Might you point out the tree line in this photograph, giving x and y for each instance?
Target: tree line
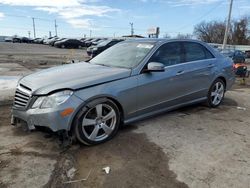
(214, 31)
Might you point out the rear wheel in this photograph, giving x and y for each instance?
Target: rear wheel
(216, 93)
(98, 122)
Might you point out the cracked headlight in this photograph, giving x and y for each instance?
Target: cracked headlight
(52, 100)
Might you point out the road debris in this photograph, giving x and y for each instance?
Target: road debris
(71, 173)
(106, 169)
(241, 108)
(75, 181)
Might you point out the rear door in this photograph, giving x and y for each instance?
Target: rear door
(200, 68)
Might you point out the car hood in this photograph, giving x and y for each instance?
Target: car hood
(72, 76)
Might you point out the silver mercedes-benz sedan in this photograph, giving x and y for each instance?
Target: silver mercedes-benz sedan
(129, 81)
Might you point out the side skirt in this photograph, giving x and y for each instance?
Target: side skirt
(160, 111)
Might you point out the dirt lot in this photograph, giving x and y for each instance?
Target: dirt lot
(190, 147)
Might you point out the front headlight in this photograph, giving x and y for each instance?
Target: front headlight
(52, 100)
(95, 49)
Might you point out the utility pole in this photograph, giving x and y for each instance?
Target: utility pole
(228, 25)
(34, 27)
(56, 28)
(50, 34)
(29, 33)
(90, 33)
(132, 28)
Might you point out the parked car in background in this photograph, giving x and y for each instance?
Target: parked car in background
(236, 55)
(69, 43)
(25, 40)
(86, 40)
(8, 39)
(16, 40)
(46, 40)
(98, 42)
(239, 56)
(95, 50)
(227, 53)
(127, 82)
(38, 40)
(89, 43)
(21, 40)
(52, 43)
(247, 53)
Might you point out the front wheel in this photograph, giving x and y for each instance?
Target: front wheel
(216, 93)
(98, 122)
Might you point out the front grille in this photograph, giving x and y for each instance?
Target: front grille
(22, 96)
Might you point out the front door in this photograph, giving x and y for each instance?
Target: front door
(157, 90)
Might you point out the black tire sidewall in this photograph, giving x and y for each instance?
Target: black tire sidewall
(78, 123)
(209, 98)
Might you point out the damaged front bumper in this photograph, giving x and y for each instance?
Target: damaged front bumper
(51, 118)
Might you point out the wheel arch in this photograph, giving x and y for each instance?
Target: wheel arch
(85, 104)
(223, 79)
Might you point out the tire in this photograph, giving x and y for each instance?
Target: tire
(216, 93)
(62, 46)
(97, 122)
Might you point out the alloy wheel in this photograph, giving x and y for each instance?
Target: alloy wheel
(217, 93)
(99, 122)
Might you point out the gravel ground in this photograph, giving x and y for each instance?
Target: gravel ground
(190, 147)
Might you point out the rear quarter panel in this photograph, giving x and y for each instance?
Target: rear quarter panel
(225, 70)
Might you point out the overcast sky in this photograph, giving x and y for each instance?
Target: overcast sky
(112, 17)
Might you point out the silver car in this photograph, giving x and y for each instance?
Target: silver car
(127, 82)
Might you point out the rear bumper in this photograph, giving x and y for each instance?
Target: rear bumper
(49, 117)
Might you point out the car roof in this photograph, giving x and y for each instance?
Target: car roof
(162, 40)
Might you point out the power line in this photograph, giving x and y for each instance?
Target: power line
(201, 17)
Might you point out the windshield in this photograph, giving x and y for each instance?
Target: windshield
(126, 54)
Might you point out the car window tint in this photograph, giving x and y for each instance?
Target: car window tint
(209, 55)
(168, 54)
(195, 52)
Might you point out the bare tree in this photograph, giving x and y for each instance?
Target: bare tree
(213, 31)
(240, 31)
(184, 36)
(167, 36)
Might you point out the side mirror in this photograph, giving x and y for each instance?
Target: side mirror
(155, 67)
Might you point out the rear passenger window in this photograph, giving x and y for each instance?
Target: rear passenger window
(168, 54)
(195, 52)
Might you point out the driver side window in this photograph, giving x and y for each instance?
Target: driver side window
(169, 54)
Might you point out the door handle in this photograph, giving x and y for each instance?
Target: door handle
(179, 72)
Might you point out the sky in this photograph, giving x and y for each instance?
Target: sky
(112, 18)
